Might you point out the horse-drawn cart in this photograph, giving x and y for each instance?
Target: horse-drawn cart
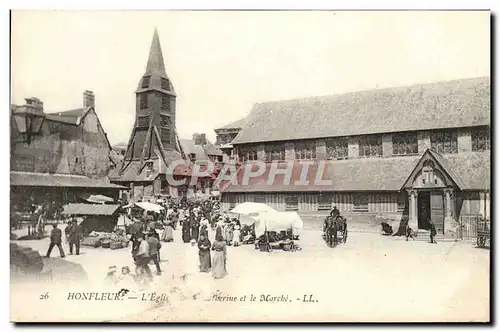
(335, 230)
(483, 232)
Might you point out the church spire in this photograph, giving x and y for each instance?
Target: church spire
(155, 64)
(155, 77)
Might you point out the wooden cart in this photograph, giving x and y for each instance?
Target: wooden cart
(483, 232)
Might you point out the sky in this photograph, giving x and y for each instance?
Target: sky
(221, 63)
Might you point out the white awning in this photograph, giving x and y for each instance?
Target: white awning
(150, 206)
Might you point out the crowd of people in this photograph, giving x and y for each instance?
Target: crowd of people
(203, 227)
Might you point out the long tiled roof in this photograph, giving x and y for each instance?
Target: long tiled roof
(370, 174)
(29, 179)
(458, 103)
(90, 209)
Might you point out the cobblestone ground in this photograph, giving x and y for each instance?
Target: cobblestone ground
(370, 278)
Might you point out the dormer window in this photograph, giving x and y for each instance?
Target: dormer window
(145, 81)
(165, 84)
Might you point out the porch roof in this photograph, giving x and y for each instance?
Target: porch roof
(29, 179)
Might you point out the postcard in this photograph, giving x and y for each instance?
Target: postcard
(250, 166)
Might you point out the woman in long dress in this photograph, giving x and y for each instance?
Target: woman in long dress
(195, 228)
(219, 258)
(237, 235)
(186, 232)
(229, 233)
(204, 253)
(168, 231)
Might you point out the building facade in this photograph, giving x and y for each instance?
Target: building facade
(420, 152)
(56, 157)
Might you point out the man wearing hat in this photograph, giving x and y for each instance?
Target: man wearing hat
(142, 257)
(154, 250)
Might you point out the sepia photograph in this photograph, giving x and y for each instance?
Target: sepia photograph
(250, 166)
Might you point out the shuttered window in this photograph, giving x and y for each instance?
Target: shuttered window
(143, 99)
(337, 148)
(275, 152)
(480, 139)
(370, 146)
(165, 103)
(324, 201)
(291, 203)
(305, 150)
(360, 203)
(404, 144)
(444, 141)
(165, 84)
(145, 81)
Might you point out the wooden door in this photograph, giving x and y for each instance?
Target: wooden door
(437, 211)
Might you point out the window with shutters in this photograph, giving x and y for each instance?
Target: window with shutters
(165, 135)
(275, 152)
(404, 144)
(143, 99)
(324, 201)
(337, 148)
(444, 141)
(305, 150)
(370, 146)
(145, 81)
(165, 103)
(360, 203)
(291, 203)
(165, 84)
(143, 121)
(246, 153)
(480, 139)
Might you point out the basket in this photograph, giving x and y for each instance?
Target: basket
(116, 245)
(105, 244)
(287, 246)
(91, 241)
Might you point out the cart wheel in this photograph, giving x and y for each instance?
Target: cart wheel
(481, 241)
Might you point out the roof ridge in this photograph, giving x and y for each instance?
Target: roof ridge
(387, 88)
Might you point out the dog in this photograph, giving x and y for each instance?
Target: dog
(410, 233)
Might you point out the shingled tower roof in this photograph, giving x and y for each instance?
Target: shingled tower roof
(153, 144)
(155, 70)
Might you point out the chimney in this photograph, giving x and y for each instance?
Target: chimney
(34, 105)
(88, 99)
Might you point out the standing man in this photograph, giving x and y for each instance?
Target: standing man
(433, 231)
(75, 235)
(55, 240)
(154, 251)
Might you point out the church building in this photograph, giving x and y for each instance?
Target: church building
(154, 144)
(419, 152)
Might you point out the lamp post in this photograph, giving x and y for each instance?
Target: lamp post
(29, 119)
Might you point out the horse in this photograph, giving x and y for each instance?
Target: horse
(331, 228)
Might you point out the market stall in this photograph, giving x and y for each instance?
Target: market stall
(98, 222)
(278, 227)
